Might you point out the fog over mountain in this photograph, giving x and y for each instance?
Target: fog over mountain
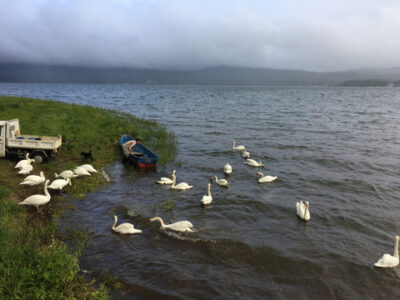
(214, 76)
(186, 35)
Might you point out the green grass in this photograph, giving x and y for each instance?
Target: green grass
(34, 262)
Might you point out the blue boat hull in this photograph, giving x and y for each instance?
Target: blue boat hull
(145, 157)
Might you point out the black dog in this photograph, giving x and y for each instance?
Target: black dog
(87, 155)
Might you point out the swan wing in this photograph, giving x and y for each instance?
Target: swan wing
(35, 200)
(387, 261)
(165, 180)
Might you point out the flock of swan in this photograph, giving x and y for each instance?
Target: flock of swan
(37, 200)
(302, 209)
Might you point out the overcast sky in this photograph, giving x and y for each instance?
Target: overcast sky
(319, 35)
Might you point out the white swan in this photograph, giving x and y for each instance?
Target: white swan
(37, 200)
(228, 169)
(253, 163)
(22, 163)
(81, 172)
(221, 182)
(59, 184)
(181, 186)
(89, 168)
(26, 169)
(267, 178)
(181, 226)
(65, 174)
(387, 260)
(239, 148)
(34, 179)
(166, 180)
(124, 228)
(302, 210)
(207, 199)
(245, 154)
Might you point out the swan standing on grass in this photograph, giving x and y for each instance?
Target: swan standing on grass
(228, 169)
(22, 163)
(26, 169)
(89, 168)
(66, 174)
(181, 226)
(181, 186)
(59, 184)
(34, 179)
(221, 182)
(207, 199)
(267, 178)
(166, 180)
(387, 260)
(302, 210)
(124, 228)
(253, 163)
(239, 148)
(81, 172)
(37, 200)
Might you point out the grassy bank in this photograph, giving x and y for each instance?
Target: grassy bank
(34, 262)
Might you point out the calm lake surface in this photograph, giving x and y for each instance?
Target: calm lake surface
(337, 148)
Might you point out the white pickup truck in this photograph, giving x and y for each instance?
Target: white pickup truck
(12, 143)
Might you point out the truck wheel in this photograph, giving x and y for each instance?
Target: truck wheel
(38, 157)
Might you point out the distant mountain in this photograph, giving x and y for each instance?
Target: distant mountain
(213, 76)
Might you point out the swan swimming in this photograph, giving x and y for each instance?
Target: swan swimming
(239, 148)
(166, 180)
(37, 200)
(59, 184)
(302, 210)
(221, 182)
(253, 163)
(34, 179)
(207, 199)
(245, 154)
(181, 226)
(228, 169)
(387, 260)
(267, 178)
(89, 168)
(181, 186)
(124, 228)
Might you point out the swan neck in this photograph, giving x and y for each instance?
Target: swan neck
(305, 210)
(46, 192)
(396, 248)
(209, 190)
(173, 181)
(115, 222)
(161, 221)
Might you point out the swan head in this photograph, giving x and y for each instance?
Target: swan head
(397, 238)
(307, 204)
(41, 174)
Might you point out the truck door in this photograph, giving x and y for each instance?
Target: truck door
(2, 139)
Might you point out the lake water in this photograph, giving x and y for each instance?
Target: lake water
(337, 148)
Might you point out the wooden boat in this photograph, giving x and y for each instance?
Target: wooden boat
(139, 154)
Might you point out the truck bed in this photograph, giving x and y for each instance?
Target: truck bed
(35, 142)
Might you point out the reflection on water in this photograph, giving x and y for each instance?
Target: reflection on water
(334, 147)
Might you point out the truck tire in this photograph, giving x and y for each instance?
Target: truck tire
(38, 157)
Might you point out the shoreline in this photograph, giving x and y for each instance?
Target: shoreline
(82, 128)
